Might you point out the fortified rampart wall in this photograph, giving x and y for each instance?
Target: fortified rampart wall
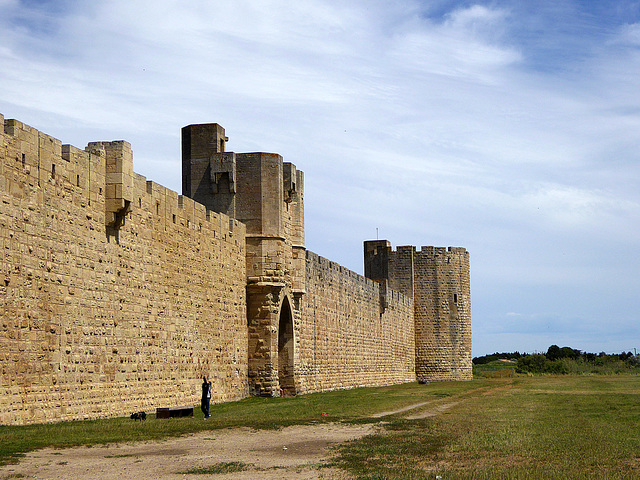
(443, 313)
(438, 280)
(100, 321)
(353, 332)
(117, 294)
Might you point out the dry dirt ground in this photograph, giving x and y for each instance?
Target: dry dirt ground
(296, 452)
(292, 453)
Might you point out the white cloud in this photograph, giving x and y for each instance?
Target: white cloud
(628, 35)
(478, 21)
(430, 125)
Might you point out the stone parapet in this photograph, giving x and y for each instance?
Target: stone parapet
(346, 338)
(97, 322)
(117, 294)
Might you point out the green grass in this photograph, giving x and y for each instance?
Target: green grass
(519, 428)
(257, 412)
(525, 428)
(495, 369)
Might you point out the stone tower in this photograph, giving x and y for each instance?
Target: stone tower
(438, 280)
(267, 195)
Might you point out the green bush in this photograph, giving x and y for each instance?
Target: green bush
(600, 365)
(532, 363)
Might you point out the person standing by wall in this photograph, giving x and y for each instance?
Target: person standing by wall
(206, 396)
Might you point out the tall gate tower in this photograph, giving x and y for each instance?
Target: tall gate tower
(267, 195)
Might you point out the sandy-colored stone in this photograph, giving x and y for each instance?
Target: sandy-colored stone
(118, 294)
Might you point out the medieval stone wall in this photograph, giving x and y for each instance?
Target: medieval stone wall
(117, 294)
(101, 320)
(351, 334)
(443, 312)
(437, 279)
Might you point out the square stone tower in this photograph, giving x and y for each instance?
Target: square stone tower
(267, 195)
(438, 280)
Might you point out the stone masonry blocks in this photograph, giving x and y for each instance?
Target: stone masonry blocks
(117, 294)
(97, 325)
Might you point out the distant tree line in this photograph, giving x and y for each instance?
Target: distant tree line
(496, 356)
(567, 360)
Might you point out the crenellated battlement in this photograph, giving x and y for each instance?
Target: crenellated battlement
(101, 174)
(117, 294)
(372, 246)
(438, 281)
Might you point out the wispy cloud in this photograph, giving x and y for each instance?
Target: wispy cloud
(506, 127)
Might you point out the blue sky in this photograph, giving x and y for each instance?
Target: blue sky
(510, 128)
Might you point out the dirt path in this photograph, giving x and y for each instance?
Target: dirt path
(402, 410)
(290, 453)
(435, 410)
(293, 453)
(432, 412)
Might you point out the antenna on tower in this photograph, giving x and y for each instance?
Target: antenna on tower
(377, 233)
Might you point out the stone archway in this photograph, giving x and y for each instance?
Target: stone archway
(285, 349)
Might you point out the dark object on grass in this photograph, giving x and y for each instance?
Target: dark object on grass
(166, 412)
(139, 416)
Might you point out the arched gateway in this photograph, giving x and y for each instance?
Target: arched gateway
(285, 349)
(266, 194)
(214, 281)
(271, 341)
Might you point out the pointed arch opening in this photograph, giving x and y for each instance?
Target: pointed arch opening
(285, 349)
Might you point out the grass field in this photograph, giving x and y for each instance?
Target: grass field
(542, 427)
(549, 427)
(495, 369)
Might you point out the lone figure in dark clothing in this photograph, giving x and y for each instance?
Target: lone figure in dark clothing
(206, 396)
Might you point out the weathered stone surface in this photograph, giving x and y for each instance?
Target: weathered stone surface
(347, 338)
(101, 322)
(117, 294)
